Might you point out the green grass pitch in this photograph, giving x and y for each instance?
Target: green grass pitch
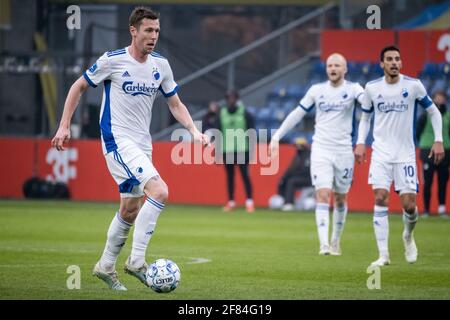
(266, 255)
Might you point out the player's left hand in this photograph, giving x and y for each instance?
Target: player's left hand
(438, 151)
(61, 137)
(360, 153)
(202, 138)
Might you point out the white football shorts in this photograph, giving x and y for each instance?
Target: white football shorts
(131, 168)
(404, 175)
(332, 170)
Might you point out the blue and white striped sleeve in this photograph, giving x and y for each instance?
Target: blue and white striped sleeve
(359, 93)
(366, 103)
(307, 102)
(422, 97)
(99, 71)
(168, 85)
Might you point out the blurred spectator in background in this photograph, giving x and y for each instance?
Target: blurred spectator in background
(90, 122)
(233, 122)
(297, 176)
(209, 121)
(425, 136)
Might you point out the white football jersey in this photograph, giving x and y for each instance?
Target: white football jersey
(335, 114)
(394, 107)
(130, 88)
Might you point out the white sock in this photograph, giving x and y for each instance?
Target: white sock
(381, 226)
(409, 221)
(117, 236)
(339, 215)
(144, 227)
(322, 221)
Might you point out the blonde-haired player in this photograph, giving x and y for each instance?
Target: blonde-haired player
(332, 158)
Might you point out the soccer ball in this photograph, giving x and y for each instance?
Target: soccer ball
(163, 276)
(276, 201)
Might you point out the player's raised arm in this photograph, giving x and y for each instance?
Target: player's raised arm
(305, 105)
(291, 120)
(181, 114)
(73, 98)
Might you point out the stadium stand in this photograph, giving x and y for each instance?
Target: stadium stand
(283, 98)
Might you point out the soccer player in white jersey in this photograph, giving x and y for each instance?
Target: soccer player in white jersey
(131, 78)
(393, 99)
(332, 157)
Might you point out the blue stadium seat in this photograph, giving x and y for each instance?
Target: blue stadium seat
(444, 69)
(375, 70)
(351, 68)
(365, 68)
(279, 90)
(318, 67)
(439, 85)
(253, 110)
(430, 70)
(295, 91)
(427, 83)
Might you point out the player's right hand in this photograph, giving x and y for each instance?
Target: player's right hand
(274, 147)
(202, 138)
(360, 153)
(62, 136)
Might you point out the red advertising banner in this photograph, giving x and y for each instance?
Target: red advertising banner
(417, 46)
(82, 166)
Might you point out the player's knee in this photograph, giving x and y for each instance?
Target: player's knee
(160, 193)
(340, 200)
(410, 207)
(381, 199)
(340, 204)
(322, 197)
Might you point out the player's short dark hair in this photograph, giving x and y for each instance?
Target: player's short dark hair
(141, 13)
(388, 48)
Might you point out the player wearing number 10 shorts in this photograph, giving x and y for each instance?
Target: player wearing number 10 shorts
(393, 100)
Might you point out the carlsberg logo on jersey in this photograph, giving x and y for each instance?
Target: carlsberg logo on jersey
(325, 107)
(137, 89)
(389, 107)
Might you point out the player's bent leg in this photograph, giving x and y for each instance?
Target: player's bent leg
(410, 217)
(117, 235)
(339, 216)
(129, 208)
(145, 224)
(381, 224)
(323, 196)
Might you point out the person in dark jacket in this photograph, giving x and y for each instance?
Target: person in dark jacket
(297, 176)
(425, 137)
